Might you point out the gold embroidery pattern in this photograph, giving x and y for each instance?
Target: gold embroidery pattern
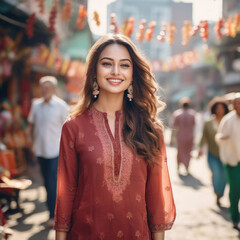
(90, 148)
(115, 184)
(138, 234)
(100, 161)
(110, 216)
(80, 135)
(138, 197)
(71, 144)
(129, 215)
(120, 234)
(161, 227)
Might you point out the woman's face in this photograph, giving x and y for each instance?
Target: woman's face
(114, 69)
(220, 110)
(47, 90)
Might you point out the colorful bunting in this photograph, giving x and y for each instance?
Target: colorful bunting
(141, 30)
(30, 23)
(52, 17)
(113, 23)
(150, 31)
(67, 10)
(41, 6)
(82, 14)
(96, 18)
(186, 32)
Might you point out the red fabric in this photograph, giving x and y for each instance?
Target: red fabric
(2, 218)
(184, 123)
(104, 190)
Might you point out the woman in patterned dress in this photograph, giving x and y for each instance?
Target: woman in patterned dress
(113, 180)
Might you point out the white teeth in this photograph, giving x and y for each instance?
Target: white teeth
(114, 80)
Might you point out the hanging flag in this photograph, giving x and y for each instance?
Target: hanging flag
(141, 30)
(67, 10)
(30, 23)
(82, 14)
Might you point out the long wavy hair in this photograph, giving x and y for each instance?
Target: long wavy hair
(142, 131)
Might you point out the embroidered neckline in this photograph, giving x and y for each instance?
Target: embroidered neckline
(116, 184)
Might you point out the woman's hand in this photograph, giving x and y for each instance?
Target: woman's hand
(61, 235)
(158, 235)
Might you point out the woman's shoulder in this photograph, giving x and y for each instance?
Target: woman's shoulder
(79, 120)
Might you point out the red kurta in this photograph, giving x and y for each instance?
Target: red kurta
(104, 190)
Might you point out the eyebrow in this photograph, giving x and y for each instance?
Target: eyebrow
(107, 58)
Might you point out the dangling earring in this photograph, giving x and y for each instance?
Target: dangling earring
(130, 93)
(95, 89)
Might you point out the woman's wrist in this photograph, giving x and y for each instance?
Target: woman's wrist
(158, 235)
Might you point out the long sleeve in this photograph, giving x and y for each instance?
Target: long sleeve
(159, 197)
(203, 139)
(224, 138)
(67, 178)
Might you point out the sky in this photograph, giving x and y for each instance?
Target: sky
(101, 7)
(210, 10)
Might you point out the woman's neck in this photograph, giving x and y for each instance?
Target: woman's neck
(218, 117)
(109, 104)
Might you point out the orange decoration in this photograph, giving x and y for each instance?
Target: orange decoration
(235, 25)
(227, 26)
(141, 30)
(130, 27)
(96, 18)
(186, 32)
(82, 14)
(170, 32)
(150, 31)
(218, 28)
(67, 11)
(204, 30)
(41, 6)
(194, 30)
(162, 34)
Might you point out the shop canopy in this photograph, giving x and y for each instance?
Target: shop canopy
(185, 92)
(13, 20)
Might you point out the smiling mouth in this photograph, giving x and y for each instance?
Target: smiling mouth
(114, 80)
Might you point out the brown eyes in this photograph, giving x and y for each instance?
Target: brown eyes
(124, 65)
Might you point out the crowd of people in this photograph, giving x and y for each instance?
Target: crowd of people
(104, 163)
(220, 134)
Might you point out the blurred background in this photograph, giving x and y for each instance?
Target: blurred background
(192, 46)
(193, 49)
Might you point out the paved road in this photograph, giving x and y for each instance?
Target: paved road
(198, 217)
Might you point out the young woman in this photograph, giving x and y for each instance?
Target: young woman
(113, 180)
(218, 109)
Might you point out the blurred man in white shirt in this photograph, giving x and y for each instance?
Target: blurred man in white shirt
(45, 119)
(228, 138)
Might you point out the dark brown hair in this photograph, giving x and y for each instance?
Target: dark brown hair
(141, 129)
(216, 101)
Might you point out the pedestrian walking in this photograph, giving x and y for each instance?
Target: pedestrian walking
(113, 179)
(183, 126)
(218, 108)
(229, 145)
(45, 119)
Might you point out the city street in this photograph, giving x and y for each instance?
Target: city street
(198, 217)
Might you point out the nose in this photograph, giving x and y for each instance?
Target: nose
(115, 69)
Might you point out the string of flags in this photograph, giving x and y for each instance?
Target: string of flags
(145, 31)
(65, 12)
(223, 27)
